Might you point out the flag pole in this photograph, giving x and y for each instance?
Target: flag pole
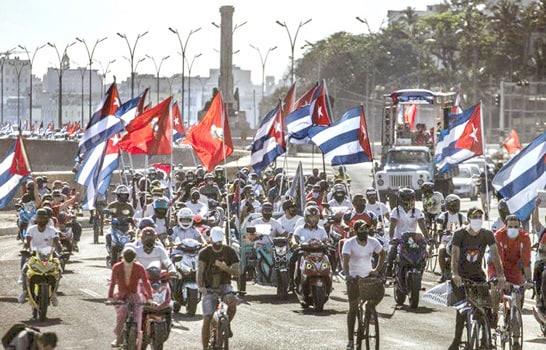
(123, 169)
(313, 157)
(228, 215)
(487, 199)
(171, 187)
(284, 168)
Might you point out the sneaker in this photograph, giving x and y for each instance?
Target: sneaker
(350, 345)
(54, 300)
(22, 298)
(454, 346)
(20, 280)
(75, 247)
(115, 343)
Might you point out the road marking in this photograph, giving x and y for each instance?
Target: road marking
(90, 293)
(400, 342)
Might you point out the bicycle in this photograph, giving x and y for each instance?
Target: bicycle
(434, 245)
(368, 322)
(220, 323)
(511, 332)
(130, 328)
(478, 330)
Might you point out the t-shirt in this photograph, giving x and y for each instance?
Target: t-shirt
(378, 208)
(160, 226)
(41, 239)
(289, 225)
(197, 208)
(360, 261)
(472, 252)
(275, 228)
(406, 222)
(306, 234)
(157, 255)
(514, 254)
(452, 222)
(181, 234)
(345, 203)
(213, 276)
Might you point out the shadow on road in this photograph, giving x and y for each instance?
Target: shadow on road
(46, 323)
(177, 325)
(95, 300)
(325, 312)
(536, 341)
(98, 258)
(186, 318)
(270, 299)
(8, 300)
(419, 310)
(100, 266)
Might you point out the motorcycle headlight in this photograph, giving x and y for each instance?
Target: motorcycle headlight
(380, 182)
(325, 265)
(309, 266)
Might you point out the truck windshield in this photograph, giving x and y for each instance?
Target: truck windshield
(408, 157)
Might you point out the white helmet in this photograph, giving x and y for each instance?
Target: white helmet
(185, 218)
(122, 189)
(216, 234)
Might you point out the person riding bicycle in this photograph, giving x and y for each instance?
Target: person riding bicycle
(121, 213)
(468, 250)
(540, 261)
(185, 227)
(450, 221)
(196, 206)
(514, 249)
(404, 218)
(257, 188)
(132, 286)
(432, 203)
(217, 264)
(358, 254)
(378, 208)
(357, 211)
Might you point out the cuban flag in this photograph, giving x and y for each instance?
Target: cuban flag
(461, 141)
(178, 127)
(13, 170)
(519, 180)
(269, 141)
(346, 141)
(130, 109)
(110, 163)
(104, 123)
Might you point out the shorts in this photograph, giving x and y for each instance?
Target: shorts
(210, 300)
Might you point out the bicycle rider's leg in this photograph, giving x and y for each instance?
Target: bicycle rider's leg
(121, 316)
(209, 305)
(442, 261)
(537, 277)
(353, 296)
(459, 320)
(231, 301)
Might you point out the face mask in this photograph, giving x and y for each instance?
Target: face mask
(217, 246)
(362, 235)
(315, 194)
(475, 224)
(512, 233)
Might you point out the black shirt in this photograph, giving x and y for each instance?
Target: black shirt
(213, 276)
(472, 252)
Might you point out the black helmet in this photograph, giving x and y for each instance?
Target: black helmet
(453, 203)
(406, 195)
(427, 187)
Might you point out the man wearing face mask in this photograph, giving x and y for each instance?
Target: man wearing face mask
(290, 218)
(257, 187)
(276, 228)
(339, 198)
(514, 249)
(315, 194)
(468, 250)
(358, 252)
(185, 228)
(150, 251)
(197, 207)
(210, 189)
(404, 218)
(379, 209)
(358, 212)
(217, 264)
(133, 286)
(122, 211)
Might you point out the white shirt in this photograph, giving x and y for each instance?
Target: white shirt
(453, 222)
(406, 222)
(41, 240)
(275, 228)
(345, 203)
(181, 234)
(360, 257)
(255, 204)
(301, 222)
(305, 234)
(289, 225)
(158, 254)
(198, 208)
(161, 226)
(378, 208)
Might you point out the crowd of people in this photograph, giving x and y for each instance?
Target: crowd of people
(363, 234)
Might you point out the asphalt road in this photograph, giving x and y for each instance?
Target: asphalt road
(82, 321)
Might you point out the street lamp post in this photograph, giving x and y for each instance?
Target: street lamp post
(263, 60)
(90, 54)
(103, 75)
(292, 44)
(82, 74)
(183, 47)
(157, 70)
(18, 66)
(190, 66)
(62, 66)
(31, 60)
(4, 57)
(132, 57)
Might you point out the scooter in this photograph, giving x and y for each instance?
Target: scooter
(410, 264)
(185, 290)
(42, 276)
(66, 239)
(281, 259)
(120, 236)
(313, 276)
(156, 320)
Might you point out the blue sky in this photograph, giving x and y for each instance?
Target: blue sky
(34, 22)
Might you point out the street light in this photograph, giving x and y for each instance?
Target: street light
(4, 56)
(292, 43)
(18, 69)
(237, 26)
(183, 47)
(263, 61)
(132, 57)
(62, 66)
(82, 74)
(31, 60)
(103, 75)
(157, 70)
(190, 66)
(90, 54)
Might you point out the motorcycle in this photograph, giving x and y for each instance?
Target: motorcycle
(156, 320)
(185, 290)
(338, 235)
(120, 236)
(314, 275)
(410, 264)
(247, 256)
(281, 259)
(42, 276)
(66, 239)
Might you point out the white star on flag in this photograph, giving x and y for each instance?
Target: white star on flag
(474, 132)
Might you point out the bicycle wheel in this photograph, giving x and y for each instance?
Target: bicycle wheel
(516, 329)
(359, 334)
(371, 329)
(96, 230)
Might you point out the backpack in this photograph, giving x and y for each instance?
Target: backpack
(446, 215)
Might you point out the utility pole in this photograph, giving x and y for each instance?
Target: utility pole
(157, 70)
(90, 54)
(292, 44)
(31, 60)
(190, 66)
(82, 74)
(18, 69)
(103, 75)
(131, 58)
(263, 61)
(62, 66)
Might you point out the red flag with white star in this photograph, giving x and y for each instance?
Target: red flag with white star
(320, 109)
(363, 137)
(471, 138)
(289, 102)
(178, 127)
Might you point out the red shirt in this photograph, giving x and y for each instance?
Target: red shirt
(514, 255)
(138, 274)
